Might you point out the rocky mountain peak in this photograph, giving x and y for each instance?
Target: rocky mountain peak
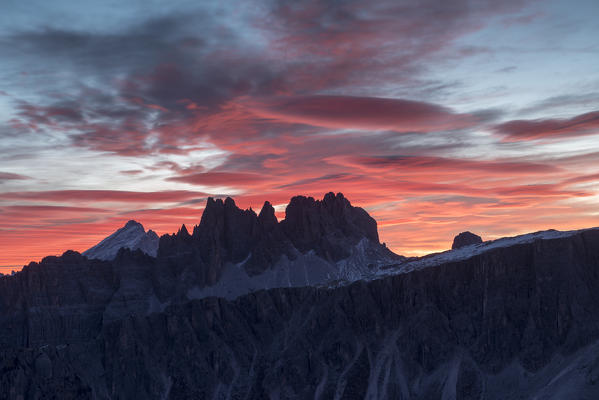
(230, 203)
(329, 226)
(219, 213)
(330, 204)
(465, 239)
(332, 212)
(133, 224)
(267, 217)
(335, 201)
(183, 232)
(132, 236)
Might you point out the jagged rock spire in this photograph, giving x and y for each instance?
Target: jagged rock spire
(267, 217)
(330, 227)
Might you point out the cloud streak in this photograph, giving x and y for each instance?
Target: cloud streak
(520, 130)
(100, 196)
(369, 113)
(9, 176)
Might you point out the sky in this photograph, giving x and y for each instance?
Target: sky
(436, 116)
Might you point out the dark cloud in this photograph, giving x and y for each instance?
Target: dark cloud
(370, 113)
(55, 114)
(585, 100)
(405, 164)
(126, 84)
(580, 125)
(180, 76)
(106, 54)
(161, 61)
(9, 176)
(331, 178)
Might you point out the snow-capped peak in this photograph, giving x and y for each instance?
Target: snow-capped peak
(132, 236)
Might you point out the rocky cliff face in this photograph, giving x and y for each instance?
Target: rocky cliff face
(330, 227)
(516, 319)
(234, 251)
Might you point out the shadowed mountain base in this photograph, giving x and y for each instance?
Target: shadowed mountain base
(513, 322)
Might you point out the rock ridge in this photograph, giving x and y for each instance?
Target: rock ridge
(512, 322)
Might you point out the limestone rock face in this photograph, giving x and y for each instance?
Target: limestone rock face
(329, 226)
(465, 239)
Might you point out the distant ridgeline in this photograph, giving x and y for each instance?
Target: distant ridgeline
(312, 306)
(9, 269)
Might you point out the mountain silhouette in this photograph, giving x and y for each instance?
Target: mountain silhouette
(313, 306)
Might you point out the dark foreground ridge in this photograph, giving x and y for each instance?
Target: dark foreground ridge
(509, 322)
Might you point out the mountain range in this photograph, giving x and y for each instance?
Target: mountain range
(312, 306)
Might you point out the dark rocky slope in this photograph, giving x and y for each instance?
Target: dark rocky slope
(329, 228)
(233, 251)
(509, 323)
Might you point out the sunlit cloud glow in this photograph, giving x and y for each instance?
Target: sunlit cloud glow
(436, 117)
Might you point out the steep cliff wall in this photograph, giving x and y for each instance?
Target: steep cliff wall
(511, 322)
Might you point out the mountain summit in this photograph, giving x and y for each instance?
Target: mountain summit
(312, 306)
(233, 251)
(465, 239)
(132, 236)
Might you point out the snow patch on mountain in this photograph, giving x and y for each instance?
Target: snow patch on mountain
(307, 269)
(132, 236)
(466, 252)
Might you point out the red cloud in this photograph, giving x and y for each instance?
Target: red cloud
(372, 113)
(264, 111)
(583, 179)
(584, 124)
(414, 217)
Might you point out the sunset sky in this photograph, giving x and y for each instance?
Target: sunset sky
(435, 116)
